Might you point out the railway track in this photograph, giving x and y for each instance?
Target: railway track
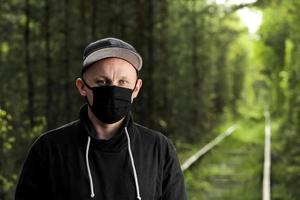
(237, 160)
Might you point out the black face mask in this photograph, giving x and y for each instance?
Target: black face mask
(110, 103)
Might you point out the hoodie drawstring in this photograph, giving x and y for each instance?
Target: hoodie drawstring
(88, 166)
(132, 164)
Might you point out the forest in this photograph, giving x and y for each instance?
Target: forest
(202, 72)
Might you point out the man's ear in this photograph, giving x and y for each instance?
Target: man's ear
(80, 87)
(137, 88)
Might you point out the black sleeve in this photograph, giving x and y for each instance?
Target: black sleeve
(173, 181)
(33, 181)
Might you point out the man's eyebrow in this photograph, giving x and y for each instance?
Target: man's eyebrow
(101, 77)
(124, 77)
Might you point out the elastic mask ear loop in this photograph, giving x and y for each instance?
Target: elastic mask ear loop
(135, 83)
(87, 85)
(134, 88)
(90, 88)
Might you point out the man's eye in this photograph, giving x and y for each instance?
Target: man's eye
(122, 82)
(101, 82)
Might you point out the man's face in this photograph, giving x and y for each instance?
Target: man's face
(109, 71)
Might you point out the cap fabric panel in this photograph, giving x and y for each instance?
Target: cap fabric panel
(125, 54)
(111, 47)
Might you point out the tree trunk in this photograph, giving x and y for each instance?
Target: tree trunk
(195, 70)
(49, 80)
(94, 19)
(29, 74)
(150, 61)
(163, 56)
(83, 23)
(68, 103)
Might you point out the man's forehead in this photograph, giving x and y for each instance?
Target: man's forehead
(117, 66)
(115, 60)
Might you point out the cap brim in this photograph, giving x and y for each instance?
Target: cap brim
(125, 54)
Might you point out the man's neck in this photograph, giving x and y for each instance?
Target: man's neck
(104, 131)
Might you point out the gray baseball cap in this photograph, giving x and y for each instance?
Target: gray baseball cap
(111, 47)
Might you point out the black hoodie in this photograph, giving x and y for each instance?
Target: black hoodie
(70, 163)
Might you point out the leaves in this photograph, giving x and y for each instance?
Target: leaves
(194, 65)
(280, 53)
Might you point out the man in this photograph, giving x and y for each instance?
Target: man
(105, 154)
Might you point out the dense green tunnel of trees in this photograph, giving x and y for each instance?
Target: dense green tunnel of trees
(201, 67)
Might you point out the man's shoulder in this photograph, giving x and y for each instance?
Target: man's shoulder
(151, 135)
(157, 141)
(148, 132)
(62, 133)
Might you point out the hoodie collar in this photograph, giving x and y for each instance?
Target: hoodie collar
(114, 144)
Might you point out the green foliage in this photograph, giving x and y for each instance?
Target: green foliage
(7, 141)
(12, 143)
(279, 51)
(195, 60)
